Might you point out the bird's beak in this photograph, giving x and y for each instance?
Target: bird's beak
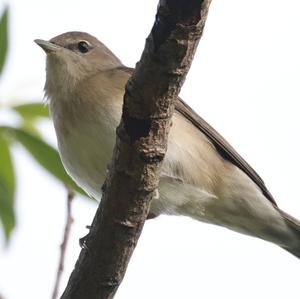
(47, 46)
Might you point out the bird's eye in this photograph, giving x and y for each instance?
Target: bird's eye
(83, 47)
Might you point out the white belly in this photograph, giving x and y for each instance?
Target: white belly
(237, 203)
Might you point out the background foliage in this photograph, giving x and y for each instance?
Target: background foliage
(28, 135)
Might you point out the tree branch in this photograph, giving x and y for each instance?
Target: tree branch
(64, 244)
(140, 148)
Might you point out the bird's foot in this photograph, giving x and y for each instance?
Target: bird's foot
(82, 241)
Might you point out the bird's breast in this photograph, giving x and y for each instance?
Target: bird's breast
(85, 139)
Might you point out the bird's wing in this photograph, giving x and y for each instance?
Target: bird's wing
(222, 146)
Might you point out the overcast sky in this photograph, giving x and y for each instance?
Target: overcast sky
(244, 81)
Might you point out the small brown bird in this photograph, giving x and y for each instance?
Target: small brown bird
(202, 177)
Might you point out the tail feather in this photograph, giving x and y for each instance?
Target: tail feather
(294, 225)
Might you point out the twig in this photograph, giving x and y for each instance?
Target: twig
(63, 246)
(140, 147)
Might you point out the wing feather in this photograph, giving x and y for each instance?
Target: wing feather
(222, 146)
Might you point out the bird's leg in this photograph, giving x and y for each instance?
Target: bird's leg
(82, 241)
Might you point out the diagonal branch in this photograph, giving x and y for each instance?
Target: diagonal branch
(140, 147)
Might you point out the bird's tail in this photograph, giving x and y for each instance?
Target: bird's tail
(294, 225)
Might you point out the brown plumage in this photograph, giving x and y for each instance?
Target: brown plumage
(202, 176)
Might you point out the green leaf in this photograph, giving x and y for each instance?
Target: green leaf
(7, 188)
(3, 37)
(44, 154)
(32, 110)
(30, 126)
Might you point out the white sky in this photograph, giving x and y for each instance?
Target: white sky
(244, 81)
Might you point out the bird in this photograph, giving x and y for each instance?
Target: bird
(202, 176)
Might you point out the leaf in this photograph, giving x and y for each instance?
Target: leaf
(45, 155)
(29, 126)
(7, 188)
(32, 110)
(3, 37)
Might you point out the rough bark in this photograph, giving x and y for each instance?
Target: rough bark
(141, 145)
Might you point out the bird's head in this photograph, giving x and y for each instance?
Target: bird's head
(73, 57)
